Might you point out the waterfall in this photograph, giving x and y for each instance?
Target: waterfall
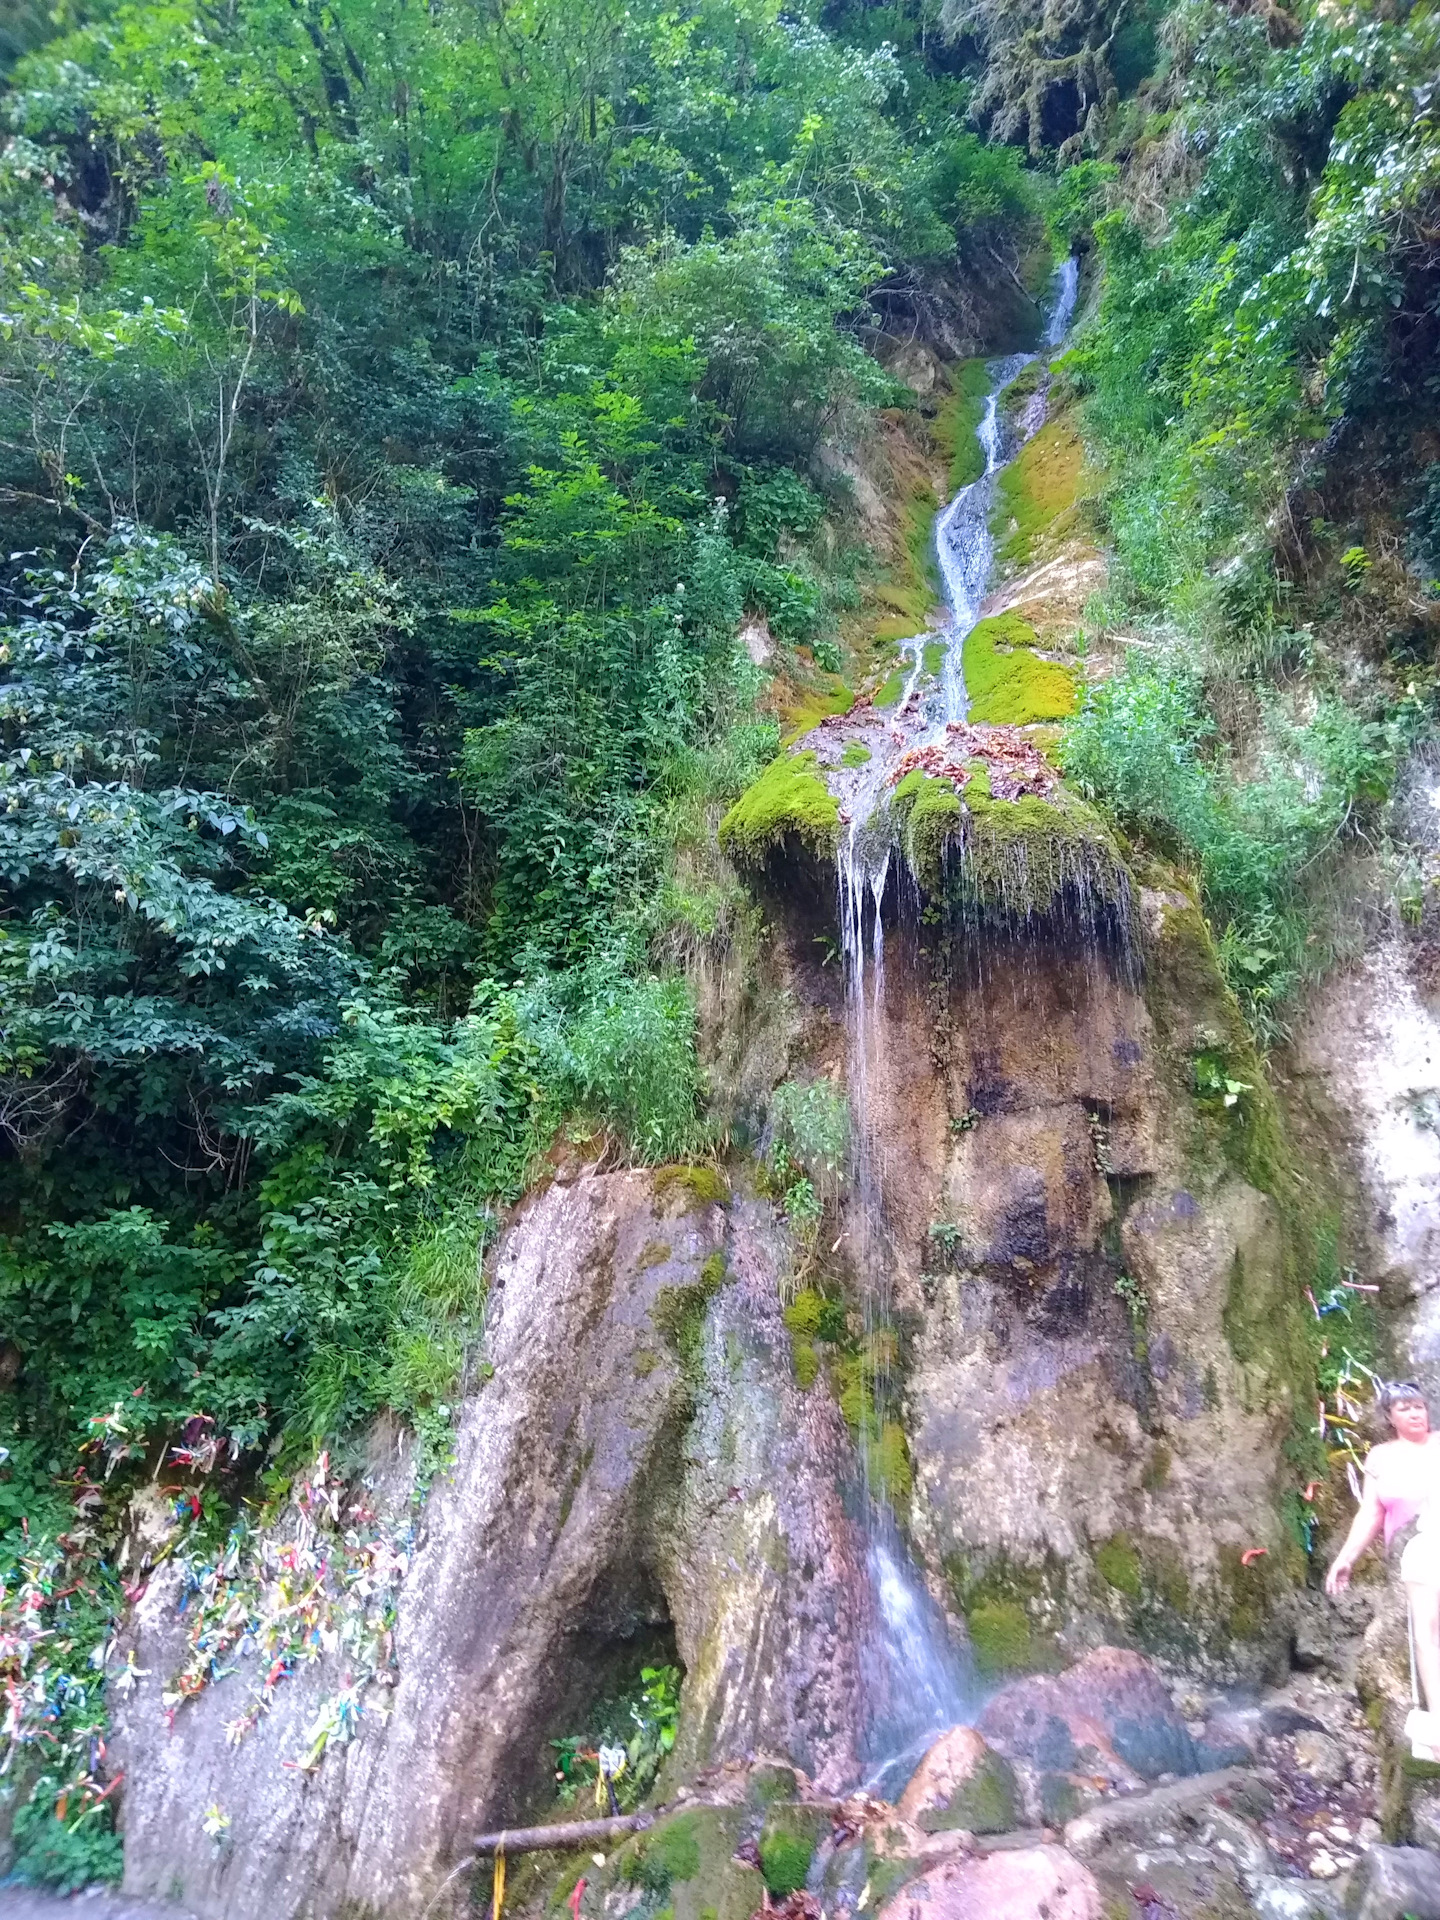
(917, 1680)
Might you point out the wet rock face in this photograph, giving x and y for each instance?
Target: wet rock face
(1110, 1715)
(577, 1515)
(1090, 1449)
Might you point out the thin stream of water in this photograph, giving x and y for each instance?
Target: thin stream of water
(918, 1683)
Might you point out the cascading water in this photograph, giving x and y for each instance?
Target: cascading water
(918, 1682)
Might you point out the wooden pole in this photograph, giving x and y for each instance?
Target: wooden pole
(574, 1833)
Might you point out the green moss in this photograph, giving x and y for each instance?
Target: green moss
(1007, 682)
(1000, 1637)
(814, 705)
(909, 586)
(770, 1782)
(679, 1314)
(787, 1845)
(676, 1847)
(888, 1461)
(1023, 387)
(856, 754)
(1015, 855)
(933, 658)
(892, 689)
(988, 1802)
(957, 426)
(655, 1254)
(683, 1188)
(1118, 1564)
(803, 1319)
(927, 811)
(803, 1315)
(1247, 1599)
(788, 801)
(1039, 485)
(646, 1361)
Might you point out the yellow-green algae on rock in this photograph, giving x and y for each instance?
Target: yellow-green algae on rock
(790, 800)
(1008, 682)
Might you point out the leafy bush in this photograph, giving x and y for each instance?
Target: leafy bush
(1145, 744)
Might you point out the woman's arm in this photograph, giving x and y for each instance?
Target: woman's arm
(1363, 1529)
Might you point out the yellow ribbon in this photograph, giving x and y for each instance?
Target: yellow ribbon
(499, 1899)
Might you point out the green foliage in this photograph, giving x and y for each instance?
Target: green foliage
(810, 1119)
(1145, 744)
(643, 1719)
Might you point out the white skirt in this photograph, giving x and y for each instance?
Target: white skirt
(1420, 1562)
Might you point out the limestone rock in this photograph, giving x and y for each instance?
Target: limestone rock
(1395, 1883)
(1425, 1820)
(961, 1783)
(1322, 1757)
(1273, 1898)
(1143, 1816)
(575, 1518)
(1023, 1883)
(1110, 1715)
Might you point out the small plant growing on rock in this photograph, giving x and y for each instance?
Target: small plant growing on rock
(1213, 1080)
(946, 1237)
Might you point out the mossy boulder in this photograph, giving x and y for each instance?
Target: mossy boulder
(1008, 682)
(792, 1831)
(962, 1783)
(790, 801)
(926, 812)
(688, 1861)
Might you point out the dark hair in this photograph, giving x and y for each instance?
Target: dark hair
(1395, 1393)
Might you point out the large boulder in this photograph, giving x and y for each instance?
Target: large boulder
(1022, 1883)
(961, 1783)
(1395, 1883)
(1110, 1715)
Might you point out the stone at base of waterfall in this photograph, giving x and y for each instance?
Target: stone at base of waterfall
(1274, 1898)
(961, 1783)
(1023, 1883)
(1425, 1820)
(1109, 1717)
(1194, 1842)
(1395, 1883)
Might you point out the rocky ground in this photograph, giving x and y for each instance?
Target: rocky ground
(1100, 1793)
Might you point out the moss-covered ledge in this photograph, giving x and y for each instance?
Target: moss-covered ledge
(1012, 856)
(790, 800)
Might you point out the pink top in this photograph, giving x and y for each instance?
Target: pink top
(1398, 1515)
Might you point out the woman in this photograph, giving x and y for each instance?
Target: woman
(1402, 1484)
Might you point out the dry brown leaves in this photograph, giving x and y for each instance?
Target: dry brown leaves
(1014, 763)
